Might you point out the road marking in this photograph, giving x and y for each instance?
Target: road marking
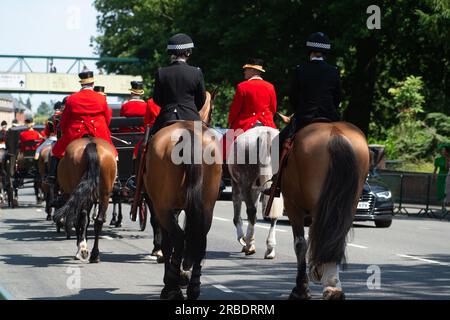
(222, 288)
(246, 223)
(356, 246)
(106, 237)
(39, 210)
(421, 259)
(221, 219)
(5, 294)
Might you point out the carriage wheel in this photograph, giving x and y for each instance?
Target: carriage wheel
(142, 215)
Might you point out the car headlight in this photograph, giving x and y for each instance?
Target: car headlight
(384, 194)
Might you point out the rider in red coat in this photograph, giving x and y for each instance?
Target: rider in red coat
(29, 135)
(255, 100)
(151, 112)
(254, 103)
(86, 113)
(135, 107)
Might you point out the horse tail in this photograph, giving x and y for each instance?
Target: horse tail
(334, 217)
(86, 193)
(195, 224)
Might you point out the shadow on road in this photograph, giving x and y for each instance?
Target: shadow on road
(105, 294)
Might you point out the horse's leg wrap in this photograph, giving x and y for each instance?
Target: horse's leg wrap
(271, 241)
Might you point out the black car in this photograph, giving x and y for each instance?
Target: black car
(376, 203)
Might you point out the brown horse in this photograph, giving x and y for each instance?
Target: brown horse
(323, 179)
(192, 186)
(86, 176)
(46, 189)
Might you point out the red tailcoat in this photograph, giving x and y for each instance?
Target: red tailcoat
(133, 108)
(254, 100)
(29, 135)
(86, 113)
(151, 113)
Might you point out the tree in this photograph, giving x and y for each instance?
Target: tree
(28, 104)
(44, 109)
(413, 39)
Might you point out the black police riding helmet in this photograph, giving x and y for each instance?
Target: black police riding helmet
(318, 42)
(180, 44)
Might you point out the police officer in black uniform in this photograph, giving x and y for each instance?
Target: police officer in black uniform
(179, 88)
(315, 91)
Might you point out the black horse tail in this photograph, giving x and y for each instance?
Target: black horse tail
(86, 193)
(195, 224)
(334, 216)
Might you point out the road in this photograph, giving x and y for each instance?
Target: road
(413, 257)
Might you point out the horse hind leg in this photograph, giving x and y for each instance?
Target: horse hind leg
(301, 290)
(98, 225)
(237, 206)
(332, 289)
(173, 247)
(83, 251)
(250, 198)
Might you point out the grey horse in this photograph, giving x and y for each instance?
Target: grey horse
(250, 167)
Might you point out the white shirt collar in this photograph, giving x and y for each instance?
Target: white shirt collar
(87, 88)
(255, 78)
(317, 58)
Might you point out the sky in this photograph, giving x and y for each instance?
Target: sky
(46, 27)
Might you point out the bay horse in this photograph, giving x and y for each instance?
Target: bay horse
(249, 175)
(86, 176)
(189, 185)
(323, 179)
(47, 190)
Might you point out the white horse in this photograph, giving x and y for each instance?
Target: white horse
(250, 167)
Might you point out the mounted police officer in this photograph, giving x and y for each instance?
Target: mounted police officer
(179, 88)
(315, 91)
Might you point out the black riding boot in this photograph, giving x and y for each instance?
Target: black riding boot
(51, 177)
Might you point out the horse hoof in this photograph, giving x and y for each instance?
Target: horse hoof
(242, 241)
(174, 294)
(185, 276)
(331, 293)
(113, 223)
(193, 292)
(270, 254)
(160, 259)
(82, 255)
(250, 251)
(94, 260)
(49, 217)
(300, 295)
(118, 225)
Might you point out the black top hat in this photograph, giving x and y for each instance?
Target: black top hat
(86, 77)
(137, 87)
(4, 123)
(29, 119)
(100, 89)
(57, 105)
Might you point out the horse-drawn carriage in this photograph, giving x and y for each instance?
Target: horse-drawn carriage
(19, 169)
(125, 143)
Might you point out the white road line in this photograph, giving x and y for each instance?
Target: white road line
(356, 246)
(421, 259)
(222, 288)
(4, 294)
(38, 210)
(246, 223)
(221, 219)
(106, 237)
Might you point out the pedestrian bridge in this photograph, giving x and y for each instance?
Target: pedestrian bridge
(21, 78)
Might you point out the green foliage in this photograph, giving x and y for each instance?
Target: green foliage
(413, 40)
(44, 109)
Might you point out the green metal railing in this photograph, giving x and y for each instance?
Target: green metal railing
(21, 60)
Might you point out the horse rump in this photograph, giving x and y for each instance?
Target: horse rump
(334, 217)
(85, 194)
